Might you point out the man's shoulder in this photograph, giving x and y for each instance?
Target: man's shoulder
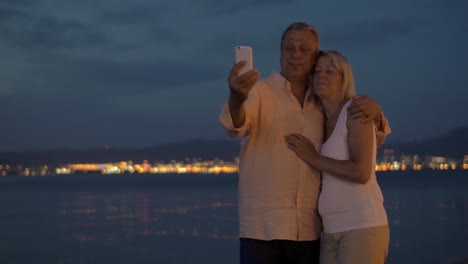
(274, 80)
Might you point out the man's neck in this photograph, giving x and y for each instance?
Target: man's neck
(299, 89)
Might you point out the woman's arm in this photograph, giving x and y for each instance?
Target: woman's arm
(360, 146)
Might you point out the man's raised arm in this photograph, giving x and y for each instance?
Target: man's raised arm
(239, 87)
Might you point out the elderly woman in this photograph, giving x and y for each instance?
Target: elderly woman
(355, 226)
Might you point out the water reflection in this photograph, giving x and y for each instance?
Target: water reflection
(199, 225)
(427, 226)
(113, 217)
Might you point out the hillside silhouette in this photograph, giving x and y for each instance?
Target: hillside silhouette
(453, 144)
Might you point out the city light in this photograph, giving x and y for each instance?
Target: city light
(388, 162)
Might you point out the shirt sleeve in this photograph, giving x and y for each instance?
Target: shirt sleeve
(384, 130)
(251, 106)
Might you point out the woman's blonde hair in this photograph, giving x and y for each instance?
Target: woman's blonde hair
(341, 64)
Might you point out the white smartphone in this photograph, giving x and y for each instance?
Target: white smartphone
(244, 53)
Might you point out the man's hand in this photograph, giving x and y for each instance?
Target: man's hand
(365, 108)
(303, 147)
(240, 86)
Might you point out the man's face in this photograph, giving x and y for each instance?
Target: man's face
(298, 54)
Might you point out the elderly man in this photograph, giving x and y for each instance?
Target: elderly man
(278, 192)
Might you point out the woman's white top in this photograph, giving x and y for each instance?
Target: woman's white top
(344, 205)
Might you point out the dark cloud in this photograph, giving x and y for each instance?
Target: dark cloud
(48, 122)
(454, 13)
(131, 77)
(452, 4)
(228, 7)
(135, 14)
(97, 72)
(105, 70)
(145, 21)
(18, 3)
(160, 35)
(63, 121)
(366, 33)
(9, 14)
(265, 41)
(27, 31)
(100, 77)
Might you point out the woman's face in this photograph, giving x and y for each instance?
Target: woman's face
(328, 80)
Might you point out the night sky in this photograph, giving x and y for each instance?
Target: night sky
(123, 73)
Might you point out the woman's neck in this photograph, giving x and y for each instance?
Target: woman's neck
(332, 106)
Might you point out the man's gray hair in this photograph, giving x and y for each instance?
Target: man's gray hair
(301, 26)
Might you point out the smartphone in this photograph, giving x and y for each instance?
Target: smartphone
(244, 53)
